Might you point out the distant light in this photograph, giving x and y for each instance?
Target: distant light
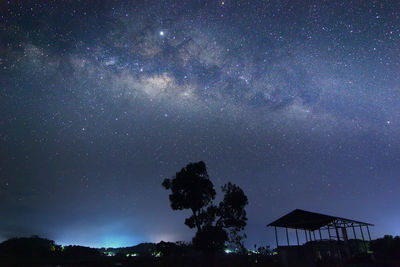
(162, 33)
(156, 254)
(252, 251)
(228, 251)
(109, 253)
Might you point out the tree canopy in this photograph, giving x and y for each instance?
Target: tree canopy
(192, 189)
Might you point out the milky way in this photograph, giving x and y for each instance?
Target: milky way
(297, 102)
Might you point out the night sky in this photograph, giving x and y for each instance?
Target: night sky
(297, 102)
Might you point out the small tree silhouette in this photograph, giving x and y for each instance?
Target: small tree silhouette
(192, 189)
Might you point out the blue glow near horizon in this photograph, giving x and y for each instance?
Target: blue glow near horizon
(112, 234)
(109, 241)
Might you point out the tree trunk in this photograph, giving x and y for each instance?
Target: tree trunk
(196, 220)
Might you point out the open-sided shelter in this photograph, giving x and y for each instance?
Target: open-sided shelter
(316, 227)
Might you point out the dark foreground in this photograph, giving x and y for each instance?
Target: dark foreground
(221, 260)
(198, 261)
(36, 251)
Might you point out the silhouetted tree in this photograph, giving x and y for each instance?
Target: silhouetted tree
(210, 238)
(192, 189)
(232, 214)
(28, 247)
(387, 248)
(169, 249)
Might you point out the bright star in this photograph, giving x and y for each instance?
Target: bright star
(162, 33)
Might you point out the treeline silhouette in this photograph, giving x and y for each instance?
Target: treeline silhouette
(386, 248)
(37, 251)
(37, 248)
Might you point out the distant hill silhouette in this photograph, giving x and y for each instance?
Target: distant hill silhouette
(79, 252)
(142, 249)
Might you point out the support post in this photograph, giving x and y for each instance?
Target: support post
(276, 237)
(313, 232)
(329, 232)
(320, 235)
(305, 233)
(287, 236)
(297, 237)
(309, 233)
(337, 233)
(338, 240)
(354, 232)
(369, 234)
(362, 236)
